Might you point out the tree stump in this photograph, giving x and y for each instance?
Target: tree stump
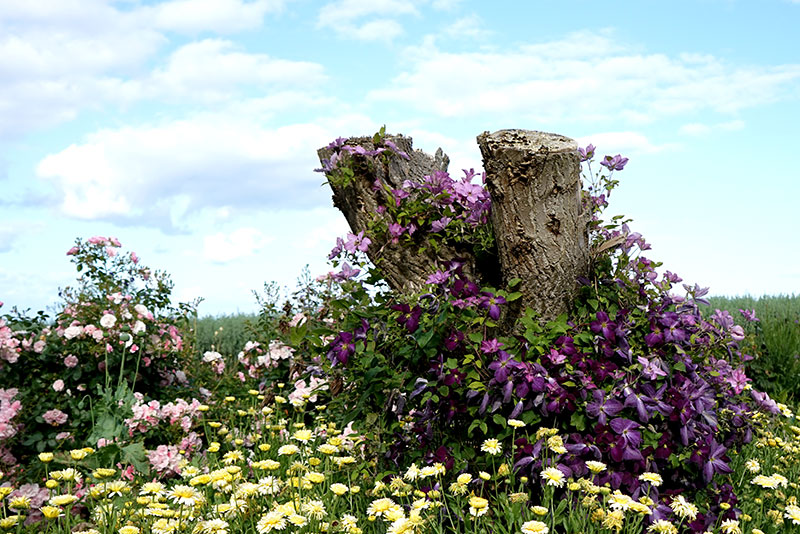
(539, 223)
(533, 179)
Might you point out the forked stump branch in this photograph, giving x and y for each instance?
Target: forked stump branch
(539, 224)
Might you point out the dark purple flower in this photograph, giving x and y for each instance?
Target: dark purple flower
(604, 325)
(602, 407)
(715, 462)
(408, 317)
(492, 302)
(503, 365)
(615, 163)
(454, 340)
(342, 347)
(629, 440)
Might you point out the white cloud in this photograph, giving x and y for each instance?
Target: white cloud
(586, 76)
(625, 143)
(448, 5)
(61, 57)
(366, 20)
(697, 129)
(242, 242)
(469, 27)
(219, 16)
(158, 175)
(213, 69)
(376, 30)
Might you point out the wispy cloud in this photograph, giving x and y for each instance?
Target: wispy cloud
(219, 16)
(367, 20)
(587, 75)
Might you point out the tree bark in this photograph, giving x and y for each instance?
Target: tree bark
(539, 222)
(533, 179)
(405, 270)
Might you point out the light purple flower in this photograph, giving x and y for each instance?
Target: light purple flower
(586, 153)
(615, 163)
(441, 224)
(749, 315)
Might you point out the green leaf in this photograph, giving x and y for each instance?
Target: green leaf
(680, 367)
(135, 455)
(499, 420)
(514, 282)
(513, 296)
(578, 420)
(425, 338)
(475, 337)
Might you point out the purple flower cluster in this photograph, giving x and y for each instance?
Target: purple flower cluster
(341, 150)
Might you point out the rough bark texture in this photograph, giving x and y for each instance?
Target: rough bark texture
(533, 179)
(404, 269)
(541, 231)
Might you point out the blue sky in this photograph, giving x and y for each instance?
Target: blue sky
(188, 128)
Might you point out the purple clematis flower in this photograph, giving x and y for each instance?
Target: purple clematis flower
(602, 407)
(342, 347)
(438, 278)
(504, 364)
(440, 224)
(627, 445)
(714, 462)
(652, 369)
(615, 163)
(346, 273)
(492, 302)
(586, 153)
(490, 346)
(604, 325)
(749, 315)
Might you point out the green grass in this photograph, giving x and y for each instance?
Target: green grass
(777, 340)
(225, 334)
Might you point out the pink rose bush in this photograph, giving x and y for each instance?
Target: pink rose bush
(117, 331)
(148, 415)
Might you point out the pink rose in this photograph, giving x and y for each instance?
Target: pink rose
(71, 361)
(58, 385)
(55, 417)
